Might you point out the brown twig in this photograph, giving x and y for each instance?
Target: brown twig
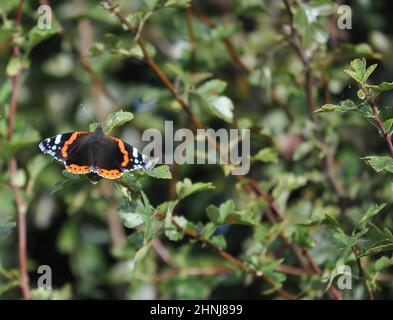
(362, 274)
(12, 166)
(164, 254)
(387, 135)
(227, 42)
(193, 234)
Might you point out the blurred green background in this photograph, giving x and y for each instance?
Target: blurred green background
(241, 49)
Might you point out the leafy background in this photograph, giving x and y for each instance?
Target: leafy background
(319, 192)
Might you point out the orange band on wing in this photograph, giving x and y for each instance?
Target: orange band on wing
(64, 149)
(126, 158)
(74, 168)
(110, 174)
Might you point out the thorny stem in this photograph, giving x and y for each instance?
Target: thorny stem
(13, 167)
(362, 274)
(197, 123)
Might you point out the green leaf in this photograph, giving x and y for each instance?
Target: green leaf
(388, 124)
(266, 155)
(377, 248)
(380, 163)
(223, 107)
(344, 106)
(16, 64)
(219, 241)
(37, 35)
(359, 72)
(212, 88)
(372, 211)
(173, 232)
(383, 263)
(186, 187)
(178, 3)
(135, 213)
(160, 172)
(384, 86)
(219, 215)
(227, 214)
(117, 119)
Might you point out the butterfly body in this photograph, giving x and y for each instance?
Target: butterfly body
(83, 152)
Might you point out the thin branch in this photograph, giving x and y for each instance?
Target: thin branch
(387, 135)
(228, 43)
(164, 254)
(362, 274)
(12, 166)
(193, 234)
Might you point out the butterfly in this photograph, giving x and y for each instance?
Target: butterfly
(83, 152)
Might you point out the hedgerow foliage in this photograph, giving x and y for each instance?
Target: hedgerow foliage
(319, 192)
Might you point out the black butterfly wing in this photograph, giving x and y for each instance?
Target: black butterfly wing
(116, 156)
(63, 145)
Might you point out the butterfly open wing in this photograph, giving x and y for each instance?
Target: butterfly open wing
(60, 146)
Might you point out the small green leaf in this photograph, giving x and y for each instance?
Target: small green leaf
(186, 187)
(359, 72)
(224, 108)
(135, 213)
(117, 119)
(372, 211)
(383, 263)
(384, 86)
(344, 106)
(178, 3)
(266, 155)
(219, 241)
(212, 88)
(380, 163)
(160, 172)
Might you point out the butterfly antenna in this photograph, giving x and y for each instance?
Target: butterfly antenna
(88, 113)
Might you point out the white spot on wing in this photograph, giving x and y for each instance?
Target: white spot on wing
(135, 152)
(58, 139)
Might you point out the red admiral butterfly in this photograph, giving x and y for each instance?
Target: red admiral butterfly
(84, 152)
